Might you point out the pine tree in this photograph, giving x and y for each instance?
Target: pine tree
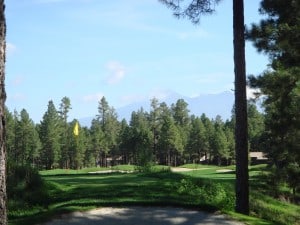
(209, 137)
(64, 109)
(170, 141)
(278, 36)
(155, 118)
(49, 132)
(77, 146)
(125, 144)
(97, 140)
(181, 117)
(220, 145)
(141, 140)
(256, 127)
(110, 126)
(197, 142)
(29, 141)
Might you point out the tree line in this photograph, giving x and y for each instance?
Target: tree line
(166, 135)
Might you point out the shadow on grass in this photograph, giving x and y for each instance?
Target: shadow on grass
(78, 192)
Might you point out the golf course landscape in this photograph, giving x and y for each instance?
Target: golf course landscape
(193, 187)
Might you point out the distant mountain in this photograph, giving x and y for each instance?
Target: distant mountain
(210, 104)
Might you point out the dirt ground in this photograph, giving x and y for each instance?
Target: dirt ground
(143, 216)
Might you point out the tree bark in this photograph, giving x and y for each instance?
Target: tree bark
(241, 129)
(3, 213)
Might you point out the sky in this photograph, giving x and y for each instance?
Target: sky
(125, 50)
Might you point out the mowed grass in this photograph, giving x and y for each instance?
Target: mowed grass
(203, 188)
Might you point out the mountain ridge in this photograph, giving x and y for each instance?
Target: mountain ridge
(210, 104)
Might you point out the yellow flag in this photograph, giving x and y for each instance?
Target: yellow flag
(76, 129)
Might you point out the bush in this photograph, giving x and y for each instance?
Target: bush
(24, 185)
(268, 208)
(207, 193)
(144, 161)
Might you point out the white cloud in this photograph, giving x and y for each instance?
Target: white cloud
(116, 72)
(92, 97)
(251, 92)
(10, 48)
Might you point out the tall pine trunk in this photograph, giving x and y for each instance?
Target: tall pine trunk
(241, 129)
(3, 214)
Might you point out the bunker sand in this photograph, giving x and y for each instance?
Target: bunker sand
(142, 215)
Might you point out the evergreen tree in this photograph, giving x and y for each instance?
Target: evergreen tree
(97, 140)
(229, 133)
(29, 140)
(64, 109)
(110, 126)
(197, 143)
(50, 137)
(155, 117)
(103, 110)
(125, 144)
(209, 137)
(141, 139)
(255, 127)
(220, 148)
(181, 113)
(181, 117)
(77, 147)
(278, 35)
(89, 157)
(170, 141)
(282, 119)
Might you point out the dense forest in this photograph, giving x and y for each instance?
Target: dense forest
(166, 135)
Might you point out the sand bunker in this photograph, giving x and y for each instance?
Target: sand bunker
(144, 216)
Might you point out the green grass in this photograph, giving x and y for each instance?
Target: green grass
(204, 188)
(261, 204)
(70, 171)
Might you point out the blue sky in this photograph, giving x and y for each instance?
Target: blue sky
(125, 50)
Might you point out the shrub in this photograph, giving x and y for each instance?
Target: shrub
(271, 209)
(24, 185)
(144, 161)
(207, 193)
